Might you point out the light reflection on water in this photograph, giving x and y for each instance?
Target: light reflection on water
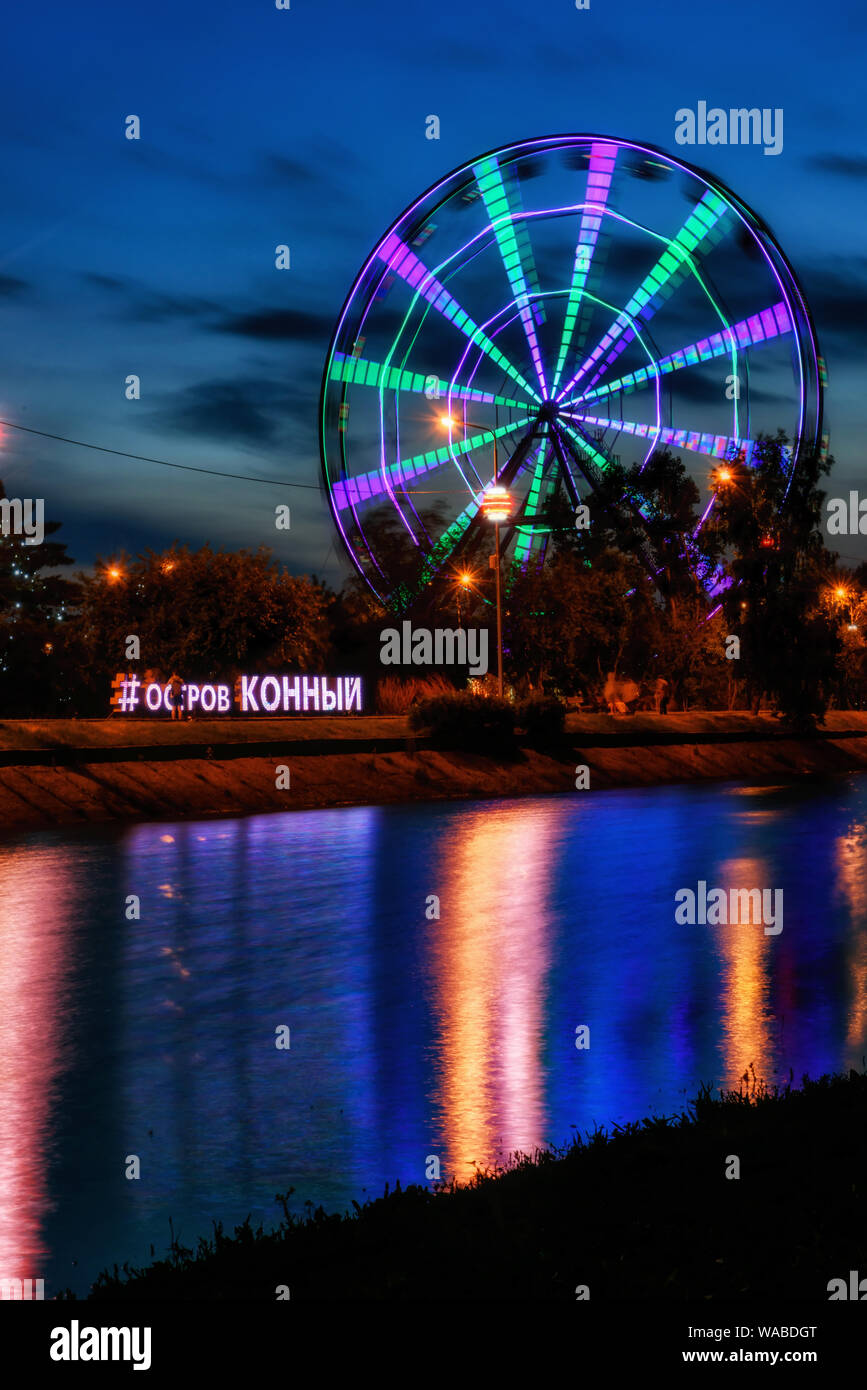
(412, 1036)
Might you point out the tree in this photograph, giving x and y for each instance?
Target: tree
(209, 614)
(767, 519)
(36, 605)
(570, 623)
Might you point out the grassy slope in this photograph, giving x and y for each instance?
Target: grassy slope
(645, 1212)
(121, 732)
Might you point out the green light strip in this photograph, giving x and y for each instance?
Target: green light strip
(359, 371)
(349, 492)
(660, 282)
(446, 544)
(531, 506)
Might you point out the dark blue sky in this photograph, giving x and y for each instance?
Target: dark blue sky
(307, 127)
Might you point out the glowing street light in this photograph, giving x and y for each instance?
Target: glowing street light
(497, 507)
(114, 574)
(462, 584)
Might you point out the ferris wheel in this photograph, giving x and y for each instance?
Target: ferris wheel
(551, 308)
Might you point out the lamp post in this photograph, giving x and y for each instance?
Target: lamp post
(496, 507)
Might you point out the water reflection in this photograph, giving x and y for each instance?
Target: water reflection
(33, 972)
(745, 953)
(411, 1036)
(490, 955)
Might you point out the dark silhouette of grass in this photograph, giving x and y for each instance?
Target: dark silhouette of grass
(644, 1211)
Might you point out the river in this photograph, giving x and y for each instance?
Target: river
(415, 1041)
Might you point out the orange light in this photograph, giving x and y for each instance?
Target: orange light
(114, 573)
(447, 422)
(840, 592)
(168, 566)
(497, 504)
(465, 580)
(724, 475)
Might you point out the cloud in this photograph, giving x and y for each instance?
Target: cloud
(104, 282)
(849, 166)
(279, 325)
(155, 306)
(10, 285)
(248, 410)
(283, 169)
(837, 296)
(241, 410)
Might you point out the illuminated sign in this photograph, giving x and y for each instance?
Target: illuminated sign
(252, 695)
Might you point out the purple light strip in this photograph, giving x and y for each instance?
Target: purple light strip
(768, 323)
(403, 262)
(713, 445)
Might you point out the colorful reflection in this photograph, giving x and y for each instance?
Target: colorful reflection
(35, 950)
(412, 1036)
(490, 954)
(745, 955)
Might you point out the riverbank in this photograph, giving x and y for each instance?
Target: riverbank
(62, 772)
(652, 1211)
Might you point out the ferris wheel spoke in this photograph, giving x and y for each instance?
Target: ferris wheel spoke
(672, 267)
(533, 504)
(402, 261)
(629, 511)
(364, 487)
(718, 446)
(751, 332)
(502, 204)
(456, 535)
(359, 371)
(599, 173)
(444, 546)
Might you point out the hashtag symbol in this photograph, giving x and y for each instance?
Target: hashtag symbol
(125, 697)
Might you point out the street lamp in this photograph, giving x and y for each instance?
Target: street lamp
(462, 583)
(497, 507)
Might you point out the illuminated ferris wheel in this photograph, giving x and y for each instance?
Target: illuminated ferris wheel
(540, 313)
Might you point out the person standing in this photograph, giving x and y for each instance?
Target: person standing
(176, 695)
(660, 695)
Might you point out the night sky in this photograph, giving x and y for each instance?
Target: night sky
(307, 127)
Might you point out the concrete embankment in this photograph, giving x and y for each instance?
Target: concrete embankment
(61, 772)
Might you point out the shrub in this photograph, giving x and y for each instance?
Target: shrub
(396, 696)
(464, 720)
(542, 717)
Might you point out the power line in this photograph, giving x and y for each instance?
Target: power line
(164, 463)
